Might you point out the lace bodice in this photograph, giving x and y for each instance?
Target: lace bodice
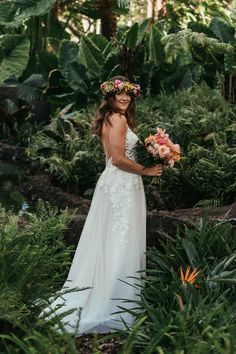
(120, 186)
(130, 142)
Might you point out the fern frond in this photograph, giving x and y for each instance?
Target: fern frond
(185, 40)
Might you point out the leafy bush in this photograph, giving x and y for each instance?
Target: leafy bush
(203, 123)
(68, 150)
(199, 119)
(17, 124)
(195, 316)
(34, 264)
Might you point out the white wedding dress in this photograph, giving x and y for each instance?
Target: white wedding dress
(111, 249)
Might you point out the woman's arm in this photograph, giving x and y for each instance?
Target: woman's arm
(117, 135)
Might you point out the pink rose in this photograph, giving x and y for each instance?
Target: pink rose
(161, 141)
(120, 85)
(117, 83)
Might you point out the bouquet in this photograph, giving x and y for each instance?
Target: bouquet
(158, 149)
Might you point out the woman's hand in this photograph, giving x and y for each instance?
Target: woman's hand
(153, 171)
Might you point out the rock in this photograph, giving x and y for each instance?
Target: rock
(73, 232)
(12, 153)
(40, 186)
(162, 221)
(169, 221)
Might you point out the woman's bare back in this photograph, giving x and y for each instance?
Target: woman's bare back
(105, 140)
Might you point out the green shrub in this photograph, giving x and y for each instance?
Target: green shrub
(184, 317)
(199, 119)
(70, 153)
(203, 123)
(34, 263)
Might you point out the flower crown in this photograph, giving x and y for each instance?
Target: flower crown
(119, 85)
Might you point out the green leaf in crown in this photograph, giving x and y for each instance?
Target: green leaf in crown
(109, 86)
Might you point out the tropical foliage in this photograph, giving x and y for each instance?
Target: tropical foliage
(17, 123)
(199, 120)
(158, 57)
(194, 315)
(183, 57)
(187, 300)
(34, 262)
(204, 125)
(69, 151)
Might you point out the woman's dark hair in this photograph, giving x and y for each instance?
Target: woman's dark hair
(107, 107)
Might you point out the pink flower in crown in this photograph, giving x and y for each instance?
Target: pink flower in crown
(120, 86)
(163, 151)
(116, 83)
(103, 86)
(135, 92)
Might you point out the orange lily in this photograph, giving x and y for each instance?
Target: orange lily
(189, 277)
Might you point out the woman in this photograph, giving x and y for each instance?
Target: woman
(113, 241)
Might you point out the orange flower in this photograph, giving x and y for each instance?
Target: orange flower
(189, 277)
(176, 156)
(149, 140)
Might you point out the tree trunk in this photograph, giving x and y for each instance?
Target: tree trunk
(108, 19)
(161, 9)
(151, 10)
(229, 88)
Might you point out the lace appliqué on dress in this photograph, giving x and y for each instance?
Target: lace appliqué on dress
(118, 184)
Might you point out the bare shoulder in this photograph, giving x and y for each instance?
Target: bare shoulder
(118, 120)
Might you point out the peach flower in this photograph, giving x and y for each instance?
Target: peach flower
(171, 162)
(163, 151)
(176, 148)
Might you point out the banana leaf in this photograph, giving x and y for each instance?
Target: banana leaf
(90, 56)
(14, 56)
(29, 8)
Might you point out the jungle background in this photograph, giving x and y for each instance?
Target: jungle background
(54, 54)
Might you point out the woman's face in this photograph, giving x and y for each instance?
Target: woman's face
(122, 100)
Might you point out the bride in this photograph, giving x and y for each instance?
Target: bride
(111, 248)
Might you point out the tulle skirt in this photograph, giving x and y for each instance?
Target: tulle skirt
(109, 256)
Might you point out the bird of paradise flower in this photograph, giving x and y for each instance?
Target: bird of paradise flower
(189, 277)
(186, 278)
